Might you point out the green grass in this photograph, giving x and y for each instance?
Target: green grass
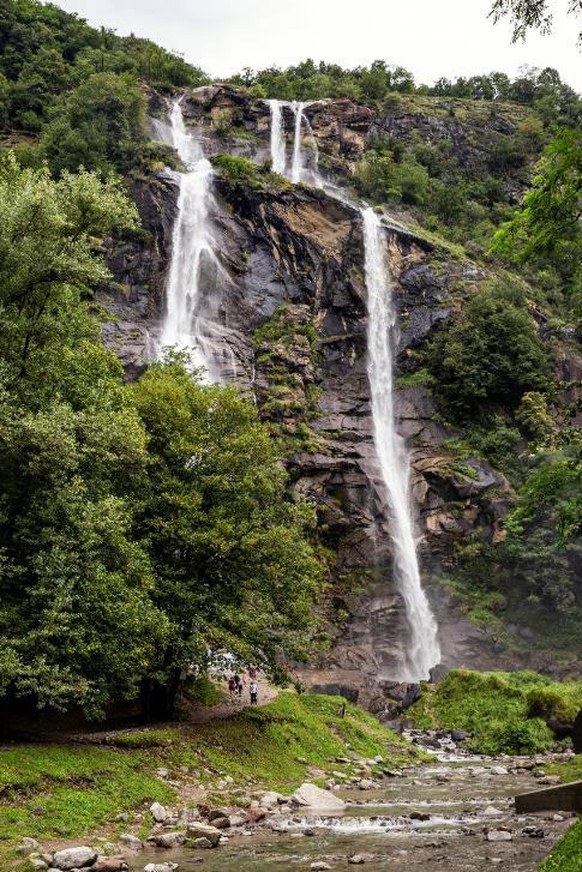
(57, 790)
(493, 706)
(264, 745)
(49, 791)
(567, 855)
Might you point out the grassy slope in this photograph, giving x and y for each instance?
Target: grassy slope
(69, 791)
(497, 708)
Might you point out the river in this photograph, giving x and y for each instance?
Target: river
(430, 818)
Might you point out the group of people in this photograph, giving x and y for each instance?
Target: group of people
(236, 684)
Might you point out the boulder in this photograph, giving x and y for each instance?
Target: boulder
(271, 800)
(360, 859)
(311, 796)
(203, 842)
(74, 858)
(499, 836)
(204, 831)
(217, 813)
(160, 867)
(159, 812)
(28, 845)
(109, 864)
(169, 840)
(130, 841)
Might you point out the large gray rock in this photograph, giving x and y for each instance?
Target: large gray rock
(169, 840)
(130, 841)
(75, 858)
(311, 796)
(159, 812)
(109, 864)
(204, 831)
(160, 867)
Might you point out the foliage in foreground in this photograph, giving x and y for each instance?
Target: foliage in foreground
(140, 526)
(499, 709)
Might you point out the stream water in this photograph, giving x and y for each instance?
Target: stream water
(430, 818)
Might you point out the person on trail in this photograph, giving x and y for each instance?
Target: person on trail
(232, 686)
(253, 672)
(238, 683)
(254, 692)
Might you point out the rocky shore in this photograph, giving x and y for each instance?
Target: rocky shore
(368, 808)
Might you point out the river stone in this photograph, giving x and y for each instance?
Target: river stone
(131, 842)
(202, 842)
(204, 831)
(28, 845)
(160, 867)
(159, 812)
(499, 836)
(217, 813)
(360, 859)
(319, 866)
(498, 770)
(314, 797)
(366, 784)
(491, 811)
(271, 799)
(109, 864)
(75, 858)
(170, 840)
(36, 864)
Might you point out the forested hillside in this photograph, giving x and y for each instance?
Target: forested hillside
(146, 519)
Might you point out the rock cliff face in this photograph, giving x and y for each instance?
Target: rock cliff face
(291, 317)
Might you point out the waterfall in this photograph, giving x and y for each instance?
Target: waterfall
(192, 248)
(298, 172)
(423, 651)
(297, 165)
(278, 157)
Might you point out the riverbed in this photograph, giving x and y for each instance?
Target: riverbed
(455, 816)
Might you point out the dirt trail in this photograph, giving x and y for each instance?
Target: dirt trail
(202, 714)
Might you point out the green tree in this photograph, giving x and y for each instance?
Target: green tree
(234, 569)
(489, 355)
(99, 126)
(548, 228)
(526, 14)
(48, 263)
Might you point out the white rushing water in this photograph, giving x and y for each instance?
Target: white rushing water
(297, 164)
(299, 171)
(193, 253)
(423, 651)
(278, 154)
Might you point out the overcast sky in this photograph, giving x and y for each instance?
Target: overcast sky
(432, 38)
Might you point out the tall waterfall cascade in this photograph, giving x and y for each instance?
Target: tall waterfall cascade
(298, 170)
(423, 650)
(193, 251)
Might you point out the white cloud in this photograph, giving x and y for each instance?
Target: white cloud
(432, 38)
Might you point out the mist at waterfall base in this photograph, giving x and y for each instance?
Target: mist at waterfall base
(193, 254)
(423, 651)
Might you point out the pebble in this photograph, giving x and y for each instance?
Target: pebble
(499, 836)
